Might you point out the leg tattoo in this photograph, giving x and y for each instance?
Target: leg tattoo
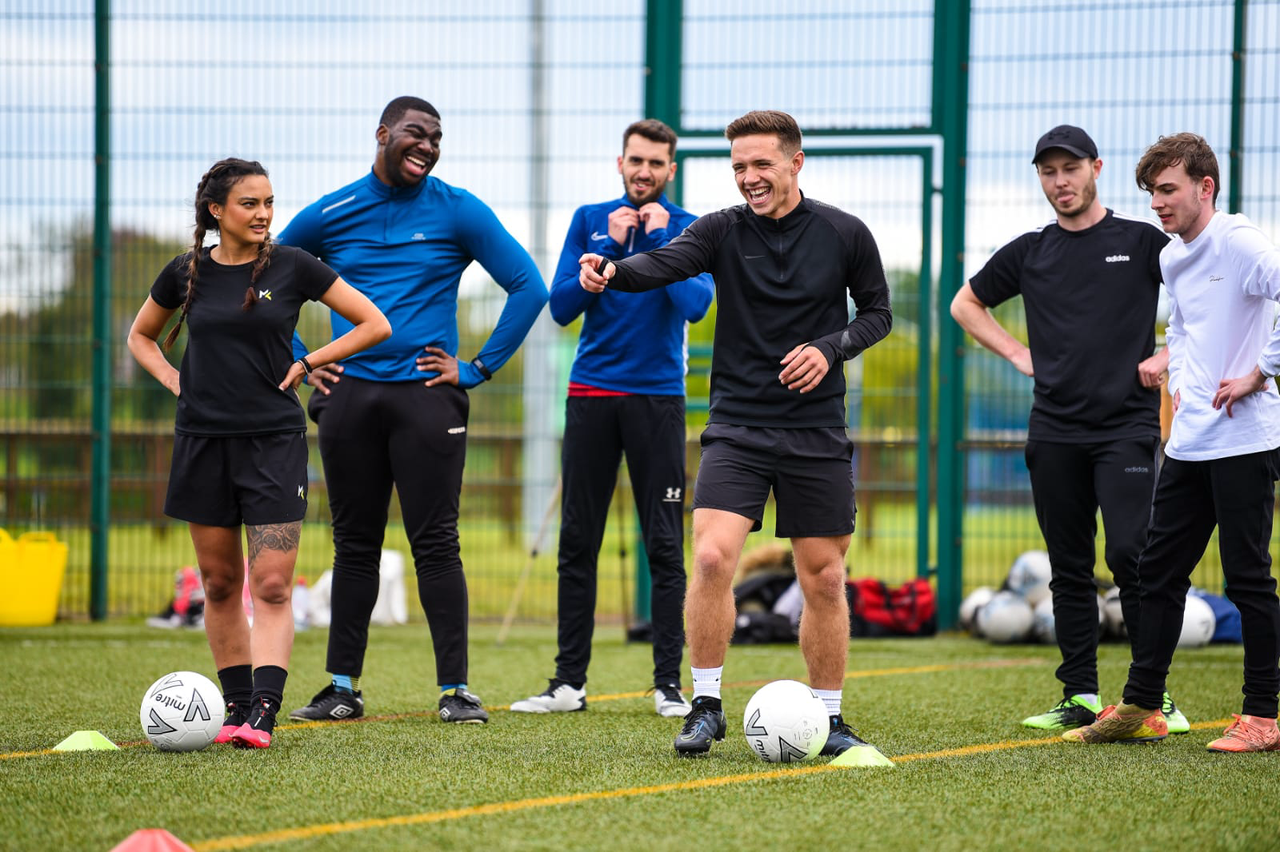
(282, 537)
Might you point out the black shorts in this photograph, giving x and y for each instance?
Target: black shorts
(228, 481)
(809, 470)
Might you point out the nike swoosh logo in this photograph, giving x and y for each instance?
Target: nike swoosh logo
(596, 236)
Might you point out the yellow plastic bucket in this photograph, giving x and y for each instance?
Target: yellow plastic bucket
(31, 571)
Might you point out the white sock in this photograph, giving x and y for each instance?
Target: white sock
(831, 698)
(1091, 697)
(706, 682)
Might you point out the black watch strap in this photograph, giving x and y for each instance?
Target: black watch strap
(484, 371)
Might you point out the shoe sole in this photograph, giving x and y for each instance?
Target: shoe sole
(466, 721)
(250, 739)
(543, 710)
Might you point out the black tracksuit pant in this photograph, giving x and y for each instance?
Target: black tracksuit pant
(597, 431)
(373, 436)
(1069, 483)
(1237, 495)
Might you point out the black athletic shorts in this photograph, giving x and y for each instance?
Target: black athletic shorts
(250, 479)
(809, 470)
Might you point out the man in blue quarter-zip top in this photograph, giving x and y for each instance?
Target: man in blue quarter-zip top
(403, 238)
(626, 395)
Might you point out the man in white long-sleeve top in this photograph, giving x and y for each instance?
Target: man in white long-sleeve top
(1222, 458)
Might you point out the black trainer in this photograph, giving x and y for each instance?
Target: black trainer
(704, 724)
(330, 705)
(458, 705)
(842, 738)
(257, 729)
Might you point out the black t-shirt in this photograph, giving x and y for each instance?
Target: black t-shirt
(235, 359)
(779, 283)
(1090, 299)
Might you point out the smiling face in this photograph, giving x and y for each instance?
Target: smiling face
(767, 176)
(1068, 181)
(1184, 205)
(645, 166)
(245, 218)
(408, 150)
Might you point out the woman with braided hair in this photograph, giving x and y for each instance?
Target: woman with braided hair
(240, 449)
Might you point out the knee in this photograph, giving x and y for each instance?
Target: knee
(825, 587)
(272, 589)
(222, 586)
(714, 564)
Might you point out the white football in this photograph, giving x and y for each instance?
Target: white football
(969, 607)
(1030, 576)
(1043, 626)
(1198, 623)
(1006, 618)
(182, 711)
(786, 721)
(1114, 615)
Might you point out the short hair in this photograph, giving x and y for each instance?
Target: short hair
(653, 130)
(767, 121)
(395, 110)
(1189, 149)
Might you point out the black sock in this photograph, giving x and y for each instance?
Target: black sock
(268, 683)
(237, 685)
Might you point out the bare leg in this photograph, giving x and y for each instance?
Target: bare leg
(718, 537)
(824, 626)
(273, 551)
(221, 565)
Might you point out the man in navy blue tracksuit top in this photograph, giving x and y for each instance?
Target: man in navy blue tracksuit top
(626, 395)
(403, 239)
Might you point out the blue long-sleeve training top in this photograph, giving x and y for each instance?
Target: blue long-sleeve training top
(630, 342)
(405, 248)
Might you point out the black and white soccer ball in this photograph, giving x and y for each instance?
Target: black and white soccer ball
(969, 607)
(1029, 576)
(181, 711)
(1007, 618)
(1198, 623)
(786, 721)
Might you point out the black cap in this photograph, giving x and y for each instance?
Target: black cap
(1073, 140)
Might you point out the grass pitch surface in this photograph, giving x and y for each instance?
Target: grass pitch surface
(966, 775)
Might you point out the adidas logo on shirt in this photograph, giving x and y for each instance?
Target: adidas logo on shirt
(1117, 258)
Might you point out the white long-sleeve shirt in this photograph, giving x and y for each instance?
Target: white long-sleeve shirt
(1223, 286)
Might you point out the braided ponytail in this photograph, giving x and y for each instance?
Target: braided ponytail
(214, 187)
(259, 266)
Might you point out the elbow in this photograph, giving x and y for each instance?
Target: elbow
(381, 330)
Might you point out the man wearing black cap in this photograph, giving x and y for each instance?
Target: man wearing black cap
(1089, 283)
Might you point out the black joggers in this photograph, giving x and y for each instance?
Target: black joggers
(373, 436)
(1237, 495)
(1069, 483)
(597, 431)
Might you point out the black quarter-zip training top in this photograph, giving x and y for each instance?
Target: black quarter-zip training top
(779, 283)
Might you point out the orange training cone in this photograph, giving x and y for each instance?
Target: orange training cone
(151, 840)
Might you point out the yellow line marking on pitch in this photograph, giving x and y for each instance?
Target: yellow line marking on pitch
(306, 832)
(617, 696)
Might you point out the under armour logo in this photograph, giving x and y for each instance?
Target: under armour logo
(264, 294)
(673, 495)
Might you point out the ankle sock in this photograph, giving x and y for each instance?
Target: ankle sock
(268, 684)
(706, 682)
(831, 698)
(346, 684)
(449, 687)
(237, 685)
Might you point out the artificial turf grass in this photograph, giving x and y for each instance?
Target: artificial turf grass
(1029, 797)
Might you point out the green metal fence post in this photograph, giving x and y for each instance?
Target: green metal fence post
(924, 382)
(100, 520)
(951, 115)
(662, 52)
(1238, 46)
